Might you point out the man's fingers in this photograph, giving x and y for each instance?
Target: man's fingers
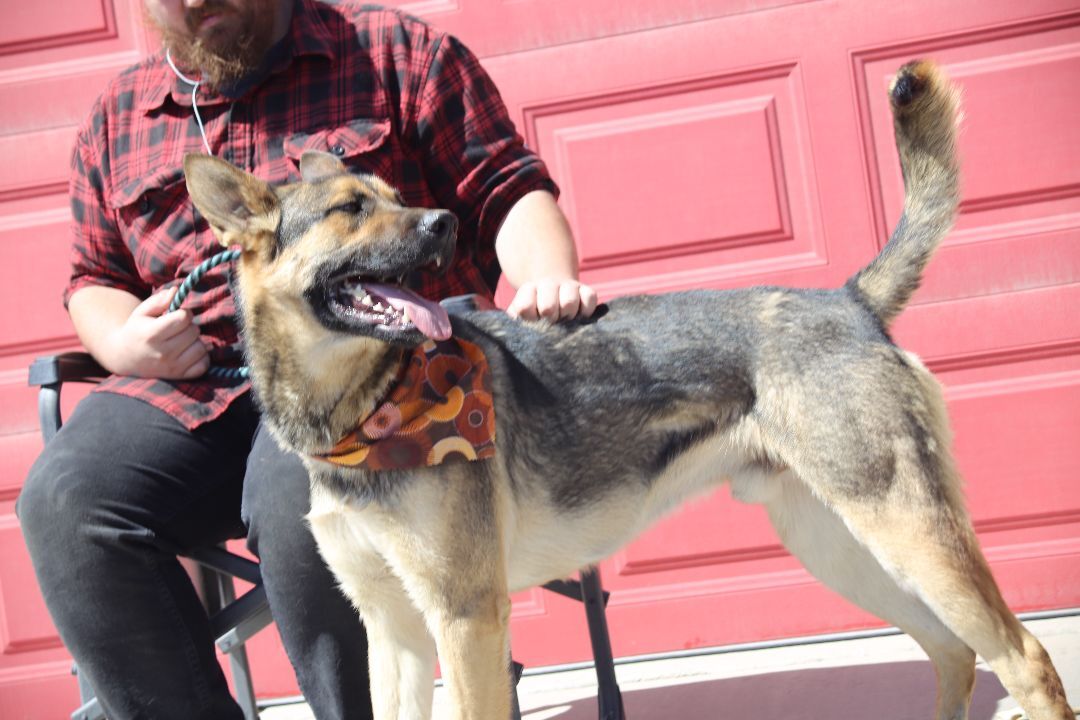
(589, 300)
(165, 325)
(194, 361)
(547, 300)
(553, 300)
(569, 300)
(175, 344)
(524, 303)
(172, 324)
(156, 304)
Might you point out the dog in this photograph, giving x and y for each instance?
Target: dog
(797, 398)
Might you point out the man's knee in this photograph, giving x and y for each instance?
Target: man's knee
(275, 497)
(55, 499)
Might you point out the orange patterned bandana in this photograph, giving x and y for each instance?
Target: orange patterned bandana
(440, 410)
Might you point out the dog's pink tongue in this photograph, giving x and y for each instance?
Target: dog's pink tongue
(429, 317)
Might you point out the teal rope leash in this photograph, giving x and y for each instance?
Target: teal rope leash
(240, 373)
(197, 275)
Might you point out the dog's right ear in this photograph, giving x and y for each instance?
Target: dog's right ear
(316, 165)
(241, 209)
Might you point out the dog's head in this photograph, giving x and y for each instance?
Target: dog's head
(337, 245)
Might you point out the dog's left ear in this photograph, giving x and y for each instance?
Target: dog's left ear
(241, 209)
(316, 165)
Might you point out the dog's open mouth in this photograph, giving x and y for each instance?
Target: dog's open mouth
(389, 309)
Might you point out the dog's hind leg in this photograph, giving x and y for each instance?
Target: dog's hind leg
(822, 542)
(888, 475)
(933, 552)
(935, 555)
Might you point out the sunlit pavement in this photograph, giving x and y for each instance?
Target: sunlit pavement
(881, 678)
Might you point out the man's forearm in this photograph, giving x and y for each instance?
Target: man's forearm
(535, 241)
(96, 312)
(537, 254)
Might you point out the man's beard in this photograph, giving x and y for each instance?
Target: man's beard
(228, 51)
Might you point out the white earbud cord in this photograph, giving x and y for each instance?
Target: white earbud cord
(194, 105)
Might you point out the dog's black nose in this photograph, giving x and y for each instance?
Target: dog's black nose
(439, 224)
(438, 236)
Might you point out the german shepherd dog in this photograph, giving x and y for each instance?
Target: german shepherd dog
(798, 398)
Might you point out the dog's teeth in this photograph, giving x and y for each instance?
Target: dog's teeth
(438, 261)
(378, 307)
(366, 301)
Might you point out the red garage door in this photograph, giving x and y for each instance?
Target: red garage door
(698, 144)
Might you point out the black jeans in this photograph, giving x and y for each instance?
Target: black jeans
(111, 501)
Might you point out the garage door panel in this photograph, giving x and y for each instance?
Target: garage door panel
(991, 420)
(1024, 260)
(72, 21)
(25, 622)
(954, 331)
(39, 690)
(497, 27)
(675, 177)
(754, 606)
(650, 200)
(1028, 153)
(33, 265)
(712, 532)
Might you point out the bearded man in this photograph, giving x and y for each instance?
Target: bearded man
(161, 459)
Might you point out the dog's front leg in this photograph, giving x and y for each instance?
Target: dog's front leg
(401, 657)
(455, 570)
(401, 651)
(473, 642)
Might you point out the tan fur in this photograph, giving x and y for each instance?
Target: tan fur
(842, 437)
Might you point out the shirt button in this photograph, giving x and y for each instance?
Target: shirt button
(337, 150)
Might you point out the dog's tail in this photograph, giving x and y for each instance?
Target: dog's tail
(925, 108)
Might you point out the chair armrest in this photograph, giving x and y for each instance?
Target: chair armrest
(49, 373)
(66, 367)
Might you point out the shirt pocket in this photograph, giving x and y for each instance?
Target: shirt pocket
(157, 222)
(364, 146)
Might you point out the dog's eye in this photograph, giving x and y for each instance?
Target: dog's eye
(353, 207)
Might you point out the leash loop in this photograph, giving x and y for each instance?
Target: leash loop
(240, 373)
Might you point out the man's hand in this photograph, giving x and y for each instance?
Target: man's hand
(132, 337)
(537, 254)
(150, 344)
(553, 299)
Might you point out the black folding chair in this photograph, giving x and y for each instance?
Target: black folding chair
(235, 619)
(232, 619)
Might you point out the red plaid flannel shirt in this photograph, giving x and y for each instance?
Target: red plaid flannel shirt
(380, 89)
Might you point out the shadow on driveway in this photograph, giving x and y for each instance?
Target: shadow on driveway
(887, 691)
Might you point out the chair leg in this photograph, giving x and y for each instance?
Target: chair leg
(515, 677)
(609, 698)
(90, 708)
(245, 688)
(221, 590)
